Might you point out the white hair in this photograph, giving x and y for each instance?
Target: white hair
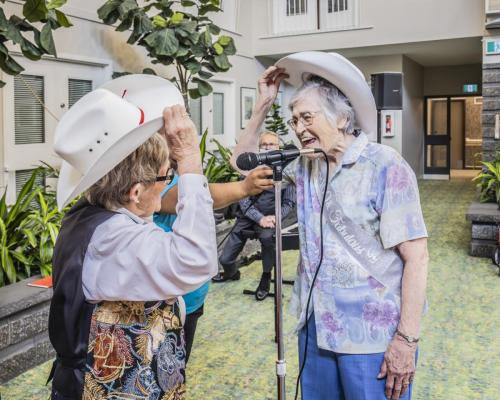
(335, 104)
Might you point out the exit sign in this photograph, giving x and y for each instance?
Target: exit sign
(492, 47)
(471, 88)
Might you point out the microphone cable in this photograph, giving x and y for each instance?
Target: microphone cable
(315, 276)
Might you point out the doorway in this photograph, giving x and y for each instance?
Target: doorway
(453, 136)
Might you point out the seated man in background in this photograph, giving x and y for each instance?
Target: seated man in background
(257, 214)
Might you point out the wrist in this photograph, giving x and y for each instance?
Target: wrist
(190, 165)
(407, 339)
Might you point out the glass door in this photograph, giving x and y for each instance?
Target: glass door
(437, 137)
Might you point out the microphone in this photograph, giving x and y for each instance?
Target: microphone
(248, 161)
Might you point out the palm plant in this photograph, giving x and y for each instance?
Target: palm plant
(489, 181)
(28, 231)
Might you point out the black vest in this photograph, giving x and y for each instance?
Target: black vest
(70, 315)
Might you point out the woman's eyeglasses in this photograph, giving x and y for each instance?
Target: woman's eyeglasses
(306, 119)
(168, 178)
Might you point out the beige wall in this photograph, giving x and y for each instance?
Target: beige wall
(449, 80)
(381, 22)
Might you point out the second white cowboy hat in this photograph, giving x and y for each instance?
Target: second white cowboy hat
(105, 126)
(342, 73)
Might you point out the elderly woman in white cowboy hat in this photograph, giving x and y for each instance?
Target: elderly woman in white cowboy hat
(115, 318)
(360, 290)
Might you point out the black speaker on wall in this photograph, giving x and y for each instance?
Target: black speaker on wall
(387, 88)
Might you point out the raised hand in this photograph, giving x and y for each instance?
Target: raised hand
(180, 133)
(269, 84)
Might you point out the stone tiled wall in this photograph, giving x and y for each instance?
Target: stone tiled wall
(491, 107)
(24, 341)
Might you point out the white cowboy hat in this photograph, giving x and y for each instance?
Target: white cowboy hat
(342, 73)
(105, 126)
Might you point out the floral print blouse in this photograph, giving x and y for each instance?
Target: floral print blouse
(377, 190)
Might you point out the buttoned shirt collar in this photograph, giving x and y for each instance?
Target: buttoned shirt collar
(354, 151)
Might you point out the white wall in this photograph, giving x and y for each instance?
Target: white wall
(413, 117)
(381, 22)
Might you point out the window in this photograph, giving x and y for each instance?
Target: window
(296, 7)
(218, 114)
(77, 88)
(492, 6)
(195, 111)
(22, 176)
(29, 118)
(337, 5)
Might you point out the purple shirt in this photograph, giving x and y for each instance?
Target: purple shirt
(377, 190)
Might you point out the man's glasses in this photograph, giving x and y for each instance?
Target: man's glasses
(306, 119)
(168, 178)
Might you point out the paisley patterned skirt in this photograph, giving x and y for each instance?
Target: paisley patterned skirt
(136, 351)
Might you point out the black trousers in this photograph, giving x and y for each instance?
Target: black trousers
(190, 329)
(237, 240)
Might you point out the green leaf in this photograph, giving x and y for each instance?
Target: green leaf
(52, 232)
(30, 51)
(108, 12)
(218, 48)
(177, 18)
(31, 237)
(222, 62)
(14, 34)
(224, 40)
(47, 40)
(126, 6)
(163, 42)
(205, 74)
(187, 3)
(230, 49)
(142, 25)
(203, 145)
(53, 4)
(149, 71)
(182, 51)
(9, 65)
(194, 93)
(20, 257)
(204, 88)
(193, 66)
(3, 21)
(159, 21)
(8, 265)
(208, 8)
(207, 38)
(35, 10)
(126, 23)
(62, 19)
(3, 205)
(214, 29)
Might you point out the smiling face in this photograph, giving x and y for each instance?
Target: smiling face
(312, 127)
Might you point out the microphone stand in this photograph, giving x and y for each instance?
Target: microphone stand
(278, 282)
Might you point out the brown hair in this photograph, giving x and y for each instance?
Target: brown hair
(143, 165)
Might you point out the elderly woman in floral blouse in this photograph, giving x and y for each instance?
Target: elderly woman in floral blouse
(363, 321)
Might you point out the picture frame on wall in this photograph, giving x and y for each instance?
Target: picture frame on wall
(247, 102)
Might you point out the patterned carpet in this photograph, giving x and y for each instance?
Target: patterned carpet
(234, 353)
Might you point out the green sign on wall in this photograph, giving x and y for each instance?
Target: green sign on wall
(470, 88)
(493, 47)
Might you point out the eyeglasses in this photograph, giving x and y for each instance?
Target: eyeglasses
(307, 118)
(267, 146)
(166, 178)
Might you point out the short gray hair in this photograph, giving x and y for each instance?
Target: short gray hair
(334, 103)
(141, 166)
